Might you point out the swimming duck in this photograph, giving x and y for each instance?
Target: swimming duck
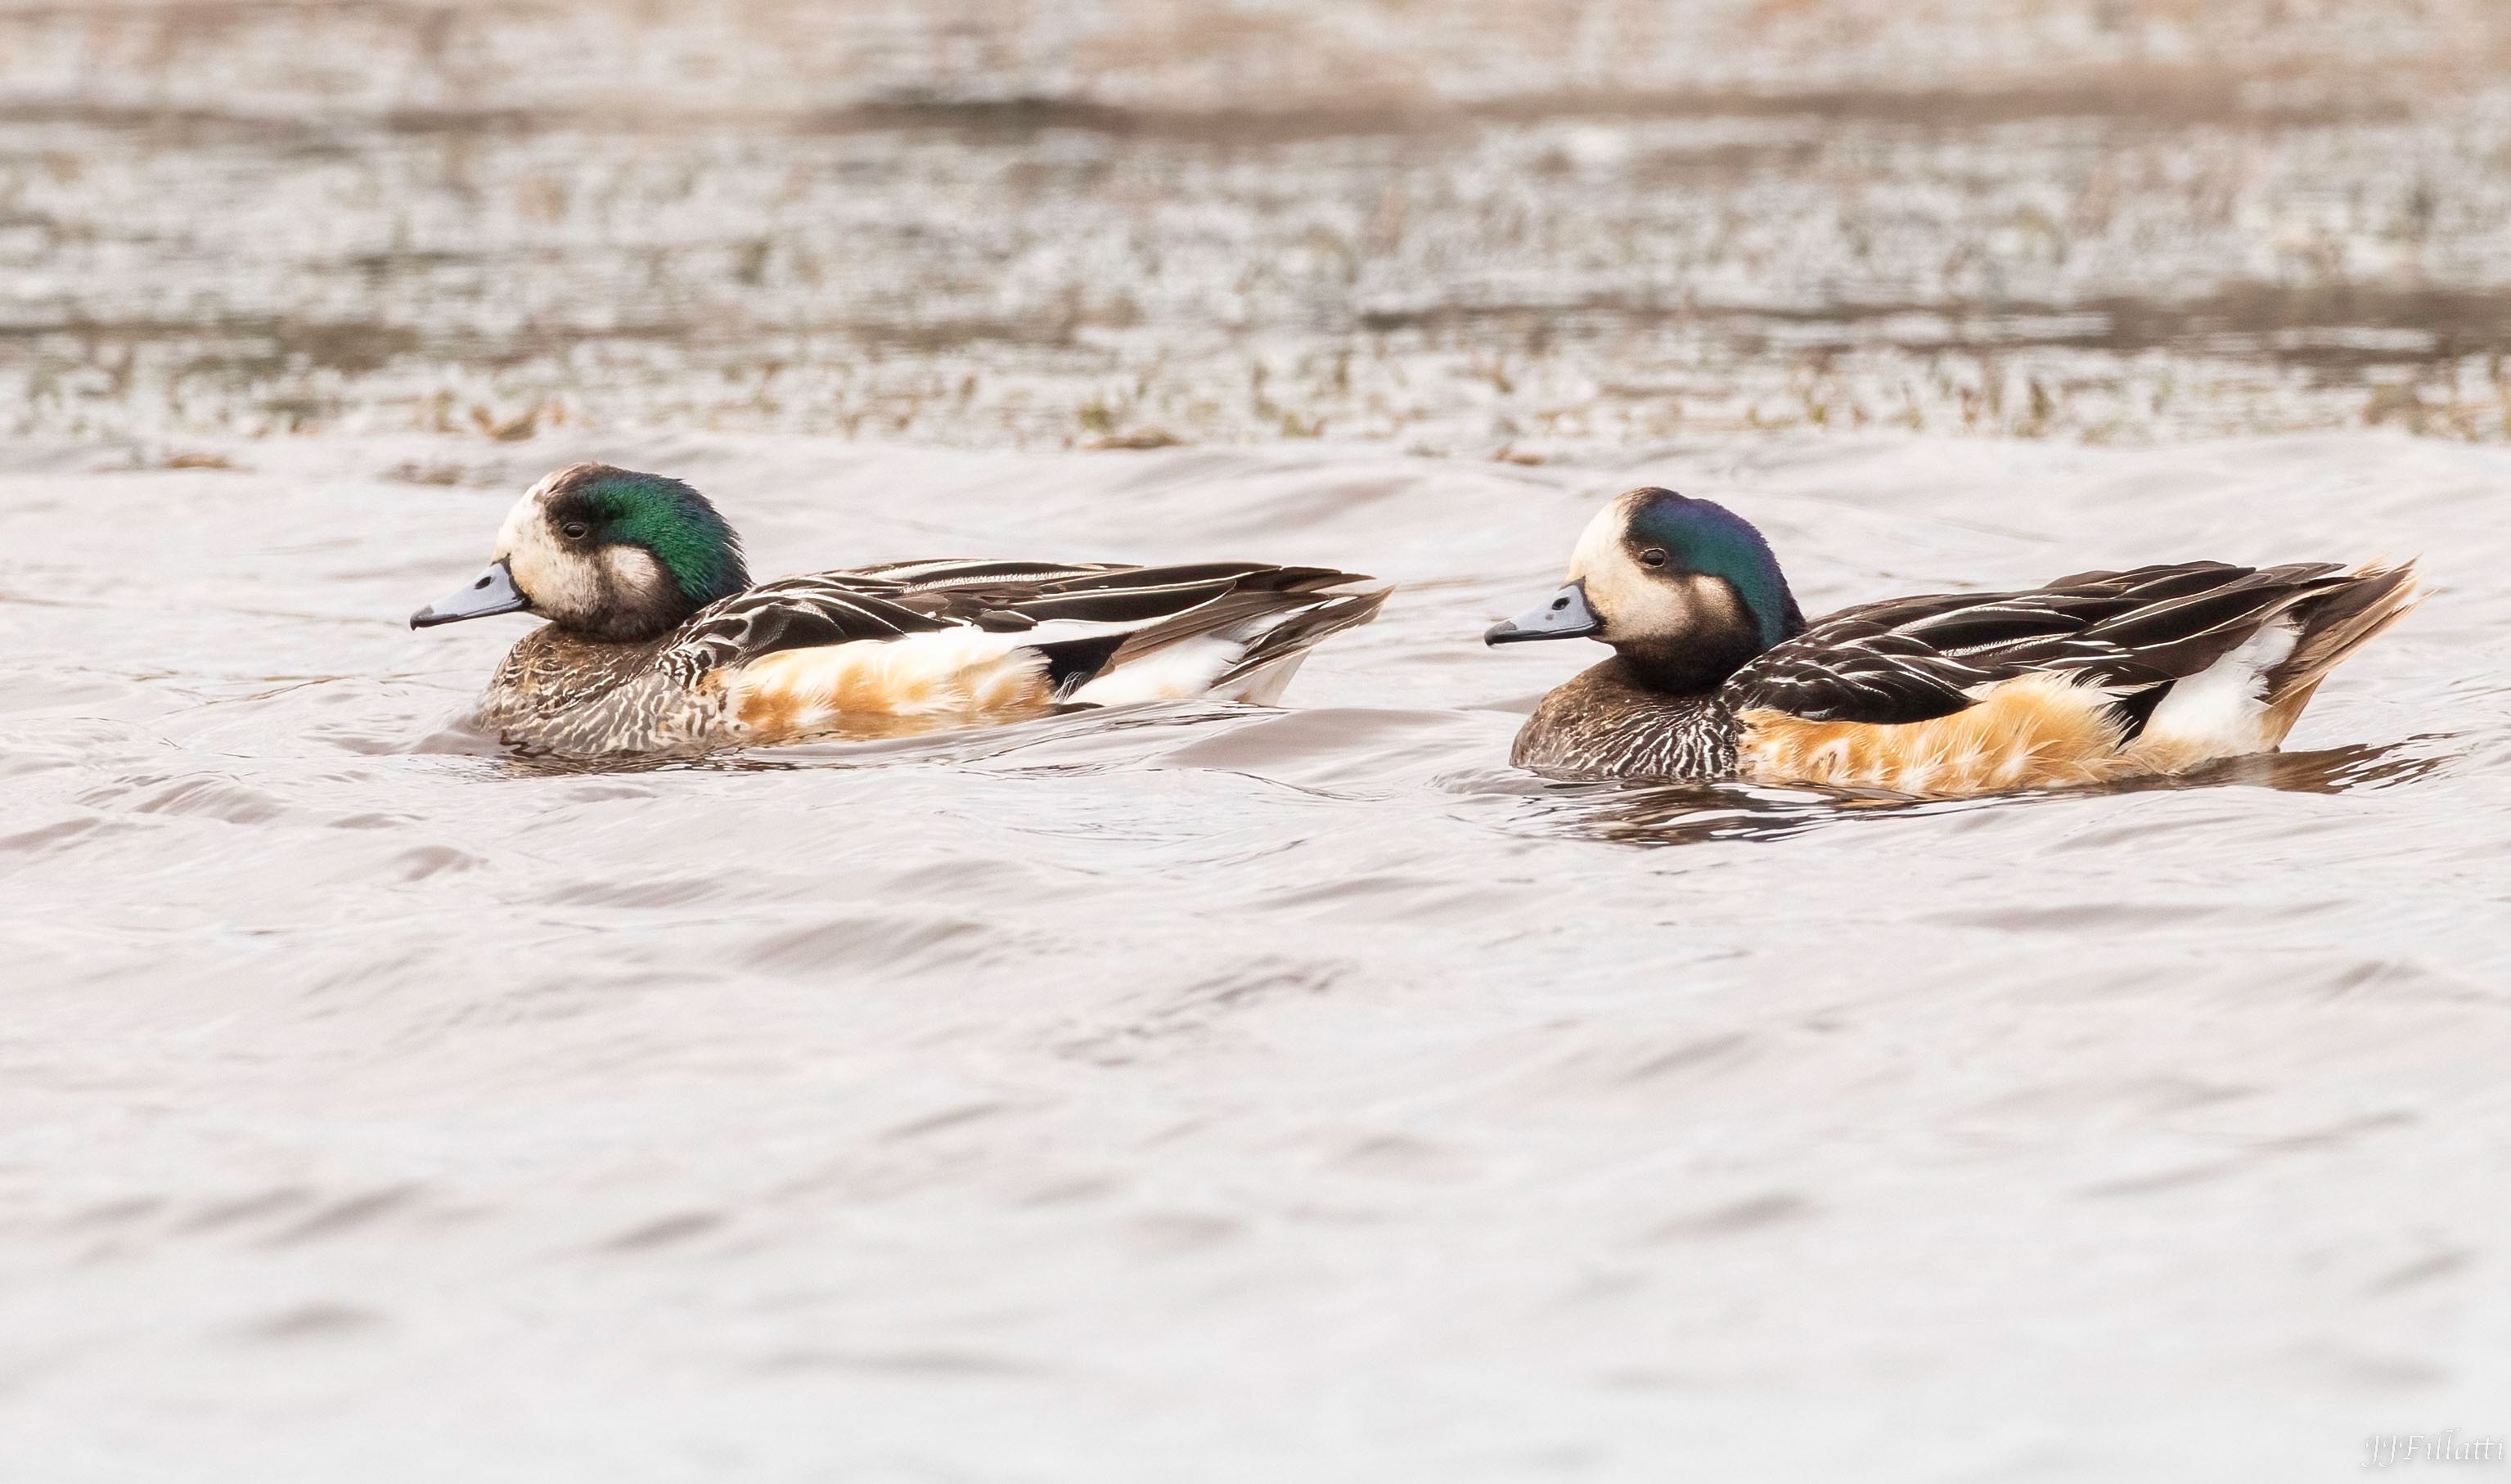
(657, 640)
(1716, 673)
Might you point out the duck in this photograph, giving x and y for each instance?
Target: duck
(657, 640)
(1717, 675)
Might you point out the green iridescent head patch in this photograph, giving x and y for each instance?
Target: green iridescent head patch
(673, 521)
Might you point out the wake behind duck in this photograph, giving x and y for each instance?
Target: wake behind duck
(657, 640)
(2096, 676)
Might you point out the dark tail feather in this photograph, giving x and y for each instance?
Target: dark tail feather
(2332, 628)
(1303, 630)
(1280, 612)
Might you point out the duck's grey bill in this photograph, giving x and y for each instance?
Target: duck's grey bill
(1565, 617)
(493, 592)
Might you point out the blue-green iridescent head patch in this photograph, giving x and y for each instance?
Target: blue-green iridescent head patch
(1705, 537)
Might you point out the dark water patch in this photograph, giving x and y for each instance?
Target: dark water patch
(2331, 328)
(662, 1231)
(1326, 746)
(979, 885)
(2161, 1182)
(1073, 1191)
(315, 1322)
(1652, 1065)
(117, 1212)
(945, 1120)
(2112, 920)
(1182, 1233)
(214, 798)
(244, 346)
(2154, 98)
(1750, 1216)
(45, 837)
(242, 1209)
(1164, 1018)
(447, 474)
(637, 896)
(1418, 901)
(914, 1364)
(2150, 97)
(2076, 1106)
(1020, 120)
(1400, 1156)
(888, 944)
(2423, 1270)
(2339, 1135)
(433, 860)
(341, 1217)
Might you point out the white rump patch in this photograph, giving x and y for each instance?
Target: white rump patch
(2222, 710)
(1192, 668)
(1187, 668)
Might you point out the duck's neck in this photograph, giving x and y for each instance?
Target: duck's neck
(1717, 629)
(1695, 664)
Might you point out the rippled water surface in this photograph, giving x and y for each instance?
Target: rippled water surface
(1214, 1092)
(1200, 1092)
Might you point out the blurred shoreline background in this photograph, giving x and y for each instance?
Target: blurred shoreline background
(1489, 229)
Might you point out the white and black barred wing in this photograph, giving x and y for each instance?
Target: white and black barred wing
(1085, 619)
(797, 613)
(2134, 634)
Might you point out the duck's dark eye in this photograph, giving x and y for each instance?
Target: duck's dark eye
(1653, 557)
(575, 530)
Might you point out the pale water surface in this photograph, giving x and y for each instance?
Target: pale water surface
(1220, 1093)
(1209, 1093)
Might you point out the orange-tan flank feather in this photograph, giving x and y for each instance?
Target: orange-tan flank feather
(2041, 731)
(963, 674)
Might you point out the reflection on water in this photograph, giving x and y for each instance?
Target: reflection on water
(1047, 742)
(2329, 769)
(1689, 813)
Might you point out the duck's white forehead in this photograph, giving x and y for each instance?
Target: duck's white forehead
(523, 521)
(1600, 543)
(521, 524)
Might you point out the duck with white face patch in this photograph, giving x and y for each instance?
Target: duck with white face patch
(657, 640)
(1716, 673)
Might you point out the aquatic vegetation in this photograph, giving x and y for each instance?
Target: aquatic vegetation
(2193, 225)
